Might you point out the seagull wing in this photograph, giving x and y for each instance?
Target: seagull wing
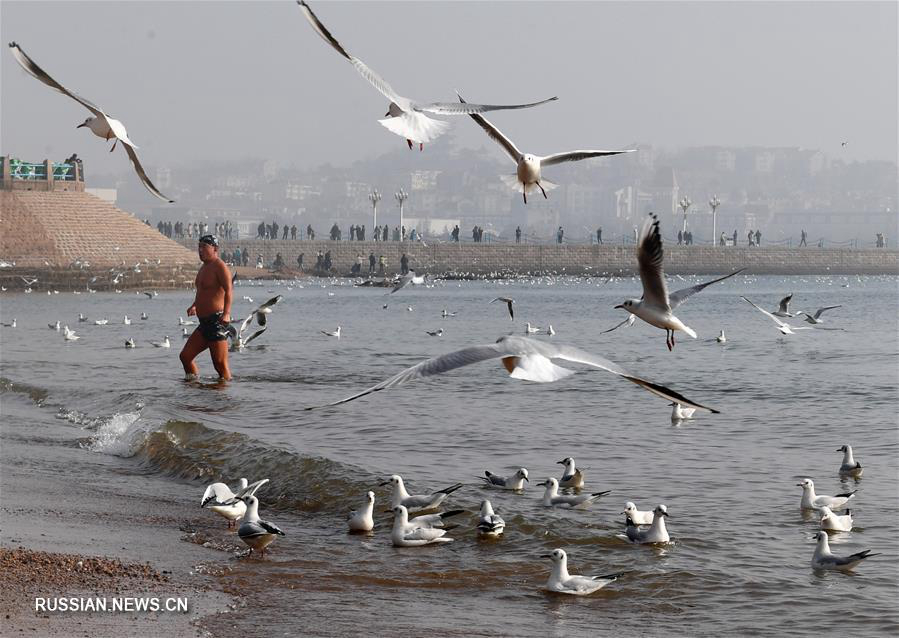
(765, 312)
(576, 156)
(250, 489)
(129, 148)
(218, 492)
(784, 303)
(465, 108)
(431, 367)
(373, 78)
(254, 335)
(678, 297)
(649, 258)
(494, 134)
(404, 280)
(820, 310)
(33, 69)
(630, 321)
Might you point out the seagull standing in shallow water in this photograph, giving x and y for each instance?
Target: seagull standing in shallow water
(561, 582)
(656, 307)
(255, 532)
(404, 116)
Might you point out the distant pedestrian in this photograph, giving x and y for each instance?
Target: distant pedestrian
(518, 234)
(680, 237)
(735, 236)
(750, 238)
(284, 234)
(382, 265)
(803, 236)
(293, 231)
(300, 260)
(371, 262)
(404, 264)
(560, 234)
(758, 237)
(599, 235)
(723, 240)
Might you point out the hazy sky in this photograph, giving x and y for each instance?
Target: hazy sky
(230, 80)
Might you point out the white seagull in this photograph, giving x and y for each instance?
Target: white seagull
(657, 532)
(404, 116)
(421, 530)
(186, 322)
(816, 318)
(528, 173)
(639, 517)
(255, 532)
(165, 343)
(823, 558)
(721, 338)
(849, 467)
(561, 582)
(417, 502)
(657, 306)
(572, 476)
(523, 358)
(508, 301)
(11, 324)
(101, 322)
(333, 333)
(680, 413)
(259, 314)
(130, 343)
(783, 308)
(514, 482)
(490, 524)
(783, 326)
(631, 319)
(70, 334)
(552, 498)
(529, 329)
(835, 522)
(550, 331)
(99, 123)
(811, 501)
(81, 318)
(219, 498)
(54, 326)
(362, 520)
(144, 316)
(126, 320)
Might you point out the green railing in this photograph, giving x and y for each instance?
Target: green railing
(29, 171)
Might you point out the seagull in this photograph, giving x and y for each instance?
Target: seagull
(784, 327)
(11, 324)
(529, 329)
(561, 582)
(528, 173)
(361, 520)
(637, 516)
(70, 335)
(335, 333)
(256, 533)
(446, 314)
(823, 558)
(421, 530)
(817, 316)
(101, 322)
(514, 482)
(188, 322)
(811, 501)
(404, 116)
(99, 123)
(130, 343)
(165, 343)
(572, 476)
(126, 321)
(550, 330)
(656, 307)
(259, 314)
(54, 326)
(680, 413)
(508, 301)
(28, 281)
(834, 522)
(185, 334)
(721, 338)
(629, 321)
(524, 358)
(81, 318)
(552, 498)
(144, 316)
(248, 299)
(849, 466)
(218, 494)
(404, 281)
(400, 496)
(490, 524)
(410, 308)
(657, 532)
(150, 294)
(783, 308)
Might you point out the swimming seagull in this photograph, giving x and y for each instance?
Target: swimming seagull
(811, 501)
(529, 329)
(187, 322)
(361, 520)
(657, 532)
(12, 324)
(185, 334)
(835, 522)
(101, 322)
(572, 476)
(817, 316)
(550, 330)
(435, 333)
(524, 358)
(514, 482)
(680, 413)
(54, 326)
(81, 318)
(165, 343)
(629, 321)
(126, 320)
(446, 314)
(657, 306)
(144, 316)
(490, 524)
(637, 516)
(255, 532)
(219, 498)
(528, 173)
(561, 582)
(823, 558)
(508, 301)
(552, 498)
(70, 334)
(421, 530)
(130, 343)
(404, 116)
(99, 123)
(784, 327)
(849, 466)
(334, 333)
(400, 496)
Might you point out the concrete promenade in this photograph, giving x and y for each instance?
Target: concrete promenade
(490, 258)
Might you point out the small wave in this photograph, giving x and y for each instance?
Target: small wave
(36, 394)
(116, 435)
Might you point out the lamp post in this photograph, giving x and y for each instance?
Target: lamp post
(374, 197)
(714, 203)
(685, 203)
(401, 197)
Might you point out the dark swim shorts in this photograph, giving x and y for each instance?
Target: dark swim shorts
(213, 328)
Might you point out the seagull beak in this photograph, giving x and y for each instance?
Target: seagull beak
(384, 483)
(543, 483)
(527, 479)
(81, 125)
(560, 462)
(620, 306)
(666, 514)
(546, 555)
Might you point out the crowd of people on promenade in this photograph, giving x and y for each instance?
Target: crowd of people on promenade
(181, 230)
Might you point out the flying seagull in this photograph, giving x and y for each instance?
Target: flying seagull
(527, 177)
(783, 326)
(524, 358)
(260, 314)
(816, 318)
(99, 123)
(508, 301)
(406, 117)
(656, 307)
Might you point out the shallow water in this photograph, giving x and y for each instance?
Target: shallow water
(739, 563)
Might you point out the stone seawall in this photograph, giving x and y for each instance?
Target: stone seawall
(485, 259)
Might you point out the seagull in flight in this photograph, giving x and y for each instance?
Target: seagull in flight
(508, 301)
(406, 117)
(528, 173)
(524, 358)
(783, 326)
(817, 316)
(631, 319)
(656, 307)
(783, 308)
(99, 123)
(260, 314)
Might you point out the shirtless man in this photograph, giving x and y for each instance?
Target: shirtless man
(212, 306)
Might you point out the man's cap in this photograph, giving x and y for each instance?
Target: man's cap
(212, 240)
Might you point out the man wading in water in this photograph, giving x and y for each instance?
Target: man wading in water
(212, 306)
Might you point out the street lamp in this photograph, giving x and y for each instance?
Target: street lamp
(374, 197)
(714, 203)
(401, 197)
(685, 203)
